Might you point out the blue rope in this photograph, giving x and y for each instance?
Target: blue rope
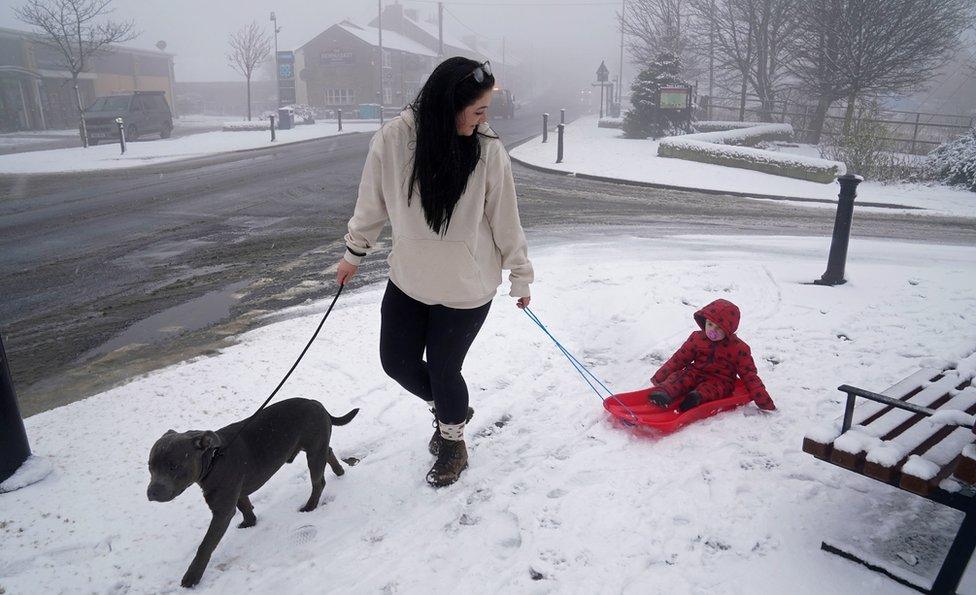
(583, 370)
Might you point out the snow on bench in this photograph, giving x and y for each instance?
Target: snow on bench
(914, 451)
(818, 440)
(917, 436)
(882, 461)
(966, 468)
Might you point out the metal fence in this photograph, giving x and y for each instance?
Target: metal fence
(914, 133)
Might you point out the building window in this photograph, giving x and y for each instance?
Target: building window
(387, 96)
(387, 59)
(340, 97)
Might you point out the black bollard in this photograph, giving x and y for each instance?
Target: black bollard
(545, 127)
(559, 143)
(842, 231)
(121, 125)
(562, 116)
(272, 128)
(14, 448)
(340, 120)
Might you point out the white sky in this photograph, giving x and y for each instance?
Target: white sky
(563, 39)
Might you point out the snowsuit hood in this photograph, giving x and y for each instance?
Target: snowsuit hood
(723, 313)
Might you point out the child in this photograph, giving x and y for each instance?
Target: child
(705, 367)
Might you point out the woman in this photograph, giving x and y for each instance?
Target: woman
(444, 181)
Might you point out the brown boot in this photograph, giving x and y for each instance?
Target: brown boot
(434, 446)
(451, 461)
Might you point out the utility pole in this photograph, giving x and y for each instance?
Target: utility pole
(274, 22)
(503, 58)
(440, 29)
(379, 26)
(620, 71)
(711, 54)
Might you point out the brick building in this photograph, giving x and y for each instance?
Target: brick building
(36, 93)
(339, 68)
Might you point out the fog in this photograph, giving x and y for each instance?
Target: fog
(555, 43)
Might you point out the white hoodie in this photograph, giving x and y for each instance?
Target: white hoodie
(462, 268)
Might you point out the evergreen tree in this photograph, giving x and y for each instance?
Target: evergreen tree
(645, 119)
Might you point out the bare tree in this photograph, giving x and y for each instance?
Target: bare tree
(78, 31)
(728, 25)
(659, 26)
(249, 47)
(751, 38)
(773, 32)
(857, 48)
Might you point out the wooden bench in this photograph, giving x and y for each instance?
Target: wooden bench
(917, 436)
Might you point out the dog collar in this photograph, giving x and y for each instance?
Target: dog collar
(214, 453)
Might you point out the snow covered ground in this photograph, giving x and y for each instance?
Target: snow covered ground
(36, 137)
(604, 152)
(154, 151)
(557, 499)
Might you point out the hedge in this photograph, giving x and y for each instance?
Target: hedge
(714, 148)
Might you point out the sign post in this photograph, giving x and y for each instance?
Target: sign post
(286, 78)
(676, 99)
(602, 78)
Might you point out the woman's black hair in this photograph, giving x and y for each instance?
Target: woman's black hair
(445, 159)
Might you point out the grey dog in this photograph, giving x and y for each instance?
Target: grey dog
(274, 436)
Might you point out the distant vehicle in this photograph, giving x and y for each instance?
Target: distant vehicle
(142, 112)
(502, 103)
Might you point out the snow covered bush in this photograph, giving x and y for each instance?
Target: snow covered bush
(303, 113)
(954, 162)
(262, 124)
(646, 119)
(609, 122)
(714, 148)
(742, 134)
(718, 125)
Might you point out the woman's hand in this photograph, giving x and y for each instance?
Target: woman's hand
(523, 302)
(346, 271)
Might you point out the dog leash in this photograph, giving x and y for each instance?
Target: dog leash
(215, 453)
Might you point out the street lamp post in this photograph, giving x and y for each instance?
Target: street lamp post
(379, 31)
(277, 81)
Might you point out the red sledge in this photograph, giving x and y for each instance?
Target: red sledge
(634, 409)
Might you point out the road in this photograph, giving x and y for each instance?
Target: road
(106, 276)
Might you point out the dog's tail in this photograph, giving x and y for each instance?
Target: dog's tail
(341, 421)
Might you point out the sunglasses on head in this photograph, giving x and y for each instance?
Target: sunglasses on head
(480, 72)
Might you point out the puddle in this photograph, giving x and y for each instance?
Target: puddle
(193, 315)
(164, 251)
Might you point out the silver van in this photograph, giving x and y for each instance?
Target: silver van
(142, 113)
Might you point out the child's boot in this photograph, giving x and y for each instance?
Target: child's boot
(692, 399)
(660, 398)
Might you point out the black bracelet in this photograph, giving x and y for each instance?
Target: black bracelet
(354, 253)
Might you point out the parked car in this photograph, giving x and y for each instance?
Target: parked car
(502, 103)
(142, 112)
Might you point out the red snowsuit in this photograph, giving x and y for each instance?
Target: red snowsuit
(711, 367)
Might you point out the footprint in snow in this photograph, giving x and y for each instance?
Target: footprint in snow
(303, 535)
(479, 495)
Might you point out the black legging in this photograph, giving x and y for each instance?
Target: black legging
(408, 327)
